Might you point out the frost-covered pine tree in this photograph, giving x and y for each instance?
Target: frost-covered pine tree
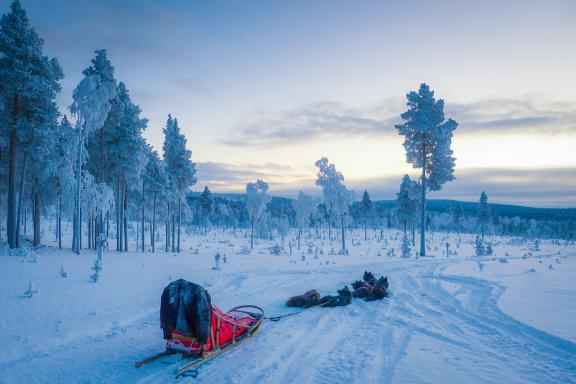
(122, 153)
(61, 168)
(180, 169)
(206, 202)
(304, 207)
(92, 102)
(479, 246)
(483, 213)
(256, 200)
(29, 83)
(407, 202)
(155, 182)
(457, 216)
(366, 212)
(427, 140)
(336, 196)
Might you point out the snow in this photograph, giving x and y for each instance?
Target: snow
(447, 320)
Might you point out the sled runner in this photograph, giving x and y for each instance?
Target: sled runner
(195, 329)
(236, 326)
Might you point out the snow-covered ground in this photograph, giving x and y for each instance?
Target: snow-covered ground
(506, 318)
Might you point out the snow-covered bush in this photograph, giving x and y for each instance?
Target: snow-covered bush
(31, 290)
(96, 268)
(405, 248)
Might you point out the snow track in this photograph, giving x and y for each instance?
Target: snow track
(432, 326)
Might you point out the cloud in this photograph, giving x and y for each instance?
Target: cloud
(310, 122)
(538, 187)
(527, 115)
(233, 177)
(316, 121)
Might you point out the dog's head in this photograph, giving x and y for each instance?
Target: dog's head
(345, 292)
(368, 277)
(357, 284)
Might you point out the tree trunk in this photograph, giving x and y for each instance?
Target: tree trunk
(179, 220)
(60, 224)
(21, 198)
(405, 226)
(142, 216)
(118, 221)
(343, 234)
(299, 234)
(124, 213)
(12, 155)
(167, 242)
(78, 209)
(173, 233)
(252, 234)
(1, 199)
(423, 205)
(89, 224)
(80, 231)
(37, 214)
(365, 230)
(153, 226)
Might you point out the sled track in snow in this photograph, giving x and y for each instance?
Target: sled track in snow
(364, 342)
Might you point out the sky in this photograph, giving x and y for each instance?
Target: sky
(263, 89)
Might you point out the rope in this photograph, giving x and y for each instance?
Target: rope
(280, 317)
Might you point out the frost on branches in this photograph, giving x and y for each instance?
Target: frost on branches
(427, 140)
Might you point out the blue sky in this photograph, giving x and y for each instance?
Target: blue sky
(265, 88)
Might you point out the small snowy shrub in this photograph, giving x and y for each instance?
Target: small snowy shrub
(276, 250)
(479, 247)
(217, 261)
(405, 248)
(96, 268)
(31, 291)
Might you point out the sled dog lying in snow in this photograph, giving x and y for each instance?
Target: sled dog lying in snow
(368, 289)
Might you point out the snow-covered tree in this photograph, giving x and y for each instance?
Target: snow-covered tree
(336, 196)
(304, 207)
(206, 202)
(180, 169)
(91, 105)
(407, 202)
(256, 199)
(457, 216)
(122, 156)
(154, 181)
(29, 83)
(366, 212)
(427, 140)
(483, 213)
(61, 168)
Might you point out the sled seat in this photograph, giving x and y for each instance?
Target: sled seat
(225, 328)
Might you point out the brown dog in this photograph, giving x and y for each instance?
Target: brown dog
(361, 289)
(380, 289)
(307, 300)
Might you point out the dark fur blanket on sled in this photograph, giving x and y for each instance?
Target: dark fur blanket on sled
(185, 307)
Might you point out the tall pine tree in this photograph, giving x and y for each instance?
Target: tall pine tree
(427, 140)
(29, 83)
(483, 213)
(181, 172)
